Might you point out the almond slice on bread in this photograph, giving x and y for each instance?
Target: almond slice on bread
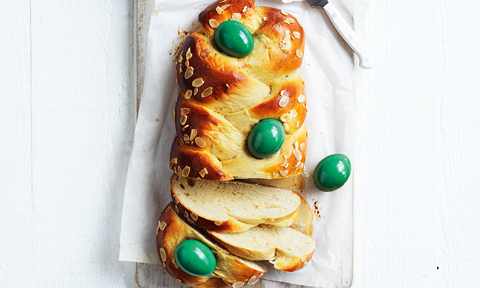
(288, 249)
(230, 271)
(231, 207)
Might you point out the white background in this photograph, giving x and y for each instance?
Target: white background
(66, 121)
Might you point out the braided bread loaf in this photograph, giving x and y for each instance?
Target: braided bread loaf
(222, 97)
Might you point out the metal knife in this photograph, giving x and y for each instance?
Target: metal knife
(366, 59)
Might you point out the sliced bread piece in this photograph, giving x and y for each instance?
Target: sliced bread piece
(296, 182)
(287, 248)
(304, 222)
(230, 271)
(231, 207)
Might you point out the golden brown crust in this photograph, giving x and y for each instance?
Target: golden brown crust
(230, 269)
(183, 156)
(221, 97)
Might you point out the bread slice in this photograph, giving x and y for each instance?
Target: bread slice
(304, 222)
(287, 248)
(230, 206)
(230, 271)
(295, 182)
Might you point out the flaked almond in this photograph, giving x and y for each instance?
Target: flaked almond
(218, 223)
(293, 113)
(194, 216)
(158, 227)
(297, 154)
(236, 16)
(203, 172)
(188, 94)
(289, 20)
(186, 171)
(284, 13)
(299, 53)
(185, 127)
(237, 284)
(302, 147)
(224, 7)
(285, 161)
(297, 124)
(185, 214)
(197, 82)
(296, 145)
(189, 54)
(169, 208)
(219, 10)
(163, 255)
(204, 53)
(164, 264)
(244, 9)
(282, 92)
(200, 142)
(251, 280)
(176, 209)
(185, 137)
(184, 111)
(172, 163)
(296, 34)
(265, 18)
(193, 134)
(283, 172)
(195, 91)
(191, 221)
(301, 98)
(228, 86)
(285, 125)
(207, 92)
(176, 200)
(162, 225)
(283, 101)
(183, 119)
(214, 24)
(180, 58)
(285, 117)
(189, 72)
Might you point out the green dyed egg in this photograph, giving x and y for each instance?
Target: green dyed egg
(266, 138)
(195, 258)
(332, 172)
(234, 38)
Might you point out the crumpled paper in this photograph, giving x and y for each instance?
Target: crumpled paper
(331, 74)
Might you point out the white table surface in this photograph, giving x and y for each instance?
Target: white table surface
(67, 116)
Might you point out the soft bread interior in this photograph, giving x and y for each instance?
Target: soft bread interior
(248, 203)
(283, 246)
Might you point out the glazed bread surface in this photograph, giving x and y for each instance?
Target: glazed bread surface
(222, 97)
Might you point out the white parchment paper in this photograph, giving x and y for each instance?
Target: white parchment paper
(330, 72)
